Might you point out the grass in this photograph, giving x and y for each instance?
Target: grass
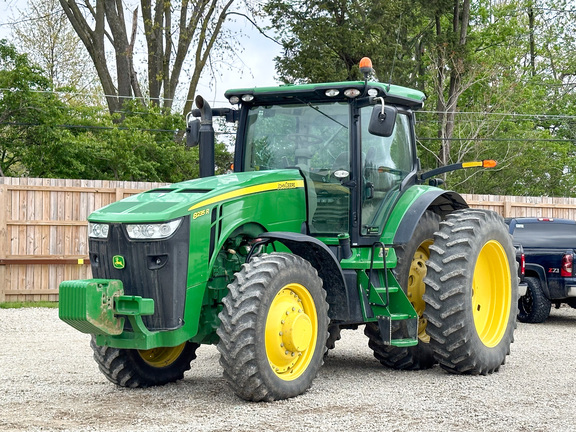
(19, 305)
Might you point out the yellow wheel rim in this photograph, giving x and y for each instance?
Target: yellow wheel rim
(291, 331)
(492, 293)
(416, 287)
(162, 356)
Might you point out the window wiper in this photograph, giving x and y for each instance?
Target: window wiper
(315, 108)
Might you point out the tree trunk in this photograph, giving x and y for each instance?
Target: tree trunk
(455, 57)
(200, 22)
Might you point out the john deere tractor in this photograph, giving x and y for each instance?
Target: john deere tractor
(326, 223)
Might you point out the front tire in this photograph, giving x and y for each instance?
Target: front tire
(274, 328)
(533, 307)
(144, 368)
(471, 293)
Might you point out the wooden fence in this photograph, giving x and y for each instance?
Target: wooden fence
(43, 236)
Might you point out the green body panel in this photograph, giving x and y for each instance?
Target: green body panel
(361, 259)
(217, 205)
(193, 196)
(403, 205)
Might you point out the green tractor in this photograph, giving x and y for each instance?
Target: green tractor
(325, 223)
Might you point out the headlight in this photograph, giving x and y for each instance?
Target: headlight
(98, 230)
(152, 231)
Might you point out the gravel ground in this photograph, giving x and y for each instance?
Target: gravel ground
(48, 381)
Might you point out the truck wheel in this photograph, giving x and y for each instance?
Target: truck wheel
(471, 292)
(144, 368)
(274, 328)
(533, 307)
(410, 272)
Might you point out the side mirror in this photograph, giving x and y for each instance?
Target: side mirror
(382, 121)
(193, 133)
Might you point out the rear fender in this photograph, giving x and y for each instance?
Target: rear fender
(411, 206)
(327, 266)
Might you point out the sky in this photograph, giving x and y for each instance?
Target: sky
(256, 61)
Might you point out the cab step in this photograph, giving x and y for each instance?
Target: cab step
(402, 343)
(385, 326)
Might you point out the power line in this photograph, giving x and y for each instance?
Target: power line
(513, 114)
(104, 96)
(89, 127)
(94, 127)
(498, 139)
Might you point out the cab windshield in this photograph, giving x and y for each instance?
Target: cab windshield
(314, 138)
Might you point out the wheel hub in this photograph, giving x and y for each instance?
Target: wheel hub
(291, 329)
(297, 331)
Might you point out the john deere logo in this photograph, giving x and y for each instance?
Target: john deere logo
(118, 262)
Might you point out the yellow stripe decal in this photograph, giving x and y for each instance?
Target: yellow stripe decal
(281, 185)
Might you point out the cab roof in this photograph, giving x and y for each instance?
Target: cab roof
(287, 93)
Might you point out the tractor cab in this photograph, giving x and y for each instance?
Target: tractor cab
(352, 142)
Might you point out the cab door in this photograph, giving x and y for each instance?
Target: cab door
(386, 164)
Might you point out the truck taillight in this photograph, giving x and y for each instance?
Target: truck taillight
(522, 264)
(566, 269)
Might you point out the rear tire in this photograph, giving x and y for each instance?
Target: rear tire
(144, 368)
(533, 307)
(471, 293)
(410, 273)
(334, 335)
(274, 328)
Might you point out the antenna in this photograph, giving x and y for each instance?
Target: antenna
(395, 49)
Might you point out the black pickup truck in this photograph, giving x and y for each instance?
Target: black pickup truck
(549, 246)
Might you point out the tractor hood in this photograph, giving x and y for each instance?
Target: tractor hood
(185, 198)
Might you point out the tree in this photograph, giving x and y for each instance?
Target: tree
(50, 42)
(325, 40)
(43, 136)
(26, 103)
(170, 30)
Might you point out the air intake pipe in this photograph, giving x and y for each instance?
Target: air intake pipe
(206, 137)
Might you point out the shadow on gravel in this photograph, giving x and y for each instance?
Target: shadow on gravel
(346, 361)
(558, 321)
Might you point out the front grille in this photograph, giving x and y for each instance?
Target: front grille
(156, 269)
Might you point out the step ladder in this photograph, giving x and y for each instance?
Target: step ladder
(387, 303)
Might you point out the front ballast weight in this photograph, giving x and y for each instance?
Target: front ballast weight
(97, 306)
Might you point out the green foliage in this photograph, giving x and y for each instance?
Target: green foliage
(325, 40)
(42, 136)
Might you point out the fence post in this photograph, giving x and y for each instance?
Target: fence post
(3, 239)
(507, 208)
(119, 193)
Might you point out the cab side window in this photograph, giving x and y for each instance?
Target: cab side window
(386, 162)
